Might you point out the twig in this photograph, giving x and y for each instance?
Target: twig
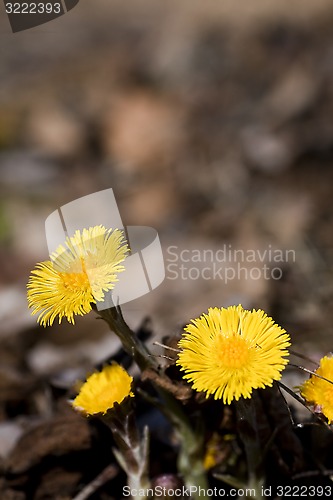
(312, 473)
(106, 475)
(167, 347)
(288, 409)
(302, 356)
(311, 373)
(300, 400)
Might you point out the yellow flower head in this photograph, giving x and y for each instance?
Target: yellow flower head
(319, 392)
(103, 389)
(77, 275)
(230, 351)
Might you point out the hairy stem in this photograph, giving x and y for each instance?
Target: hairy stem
(130, 342)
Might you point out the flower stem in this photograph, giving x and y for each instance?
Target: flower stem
(190, 458)
(130, 342)
(248, 432)
(132, 451)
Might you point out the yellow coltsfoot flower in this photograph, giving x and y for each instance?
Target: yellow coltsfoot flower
(231, 351)
(319, 392)
(77, 275)
(103, 389)
(107, 394)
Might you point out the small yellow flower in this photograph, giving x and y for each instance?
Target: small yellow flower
(77, 275)
(319, 392)
(213, 452)
(230, 351)
(103, 389)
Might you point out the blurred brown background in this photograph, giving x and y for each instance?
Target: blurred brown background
(212, 122)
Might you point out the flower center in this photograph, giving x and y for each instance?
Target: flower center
(75, 281)
(233, 351)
